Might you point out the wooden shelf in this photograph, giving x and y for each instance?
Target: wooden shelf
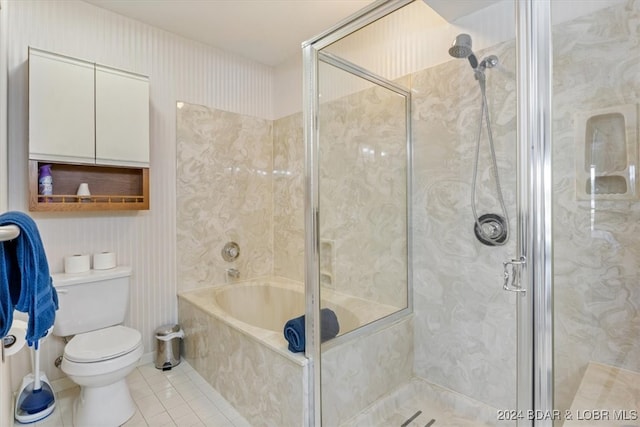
(112, 188)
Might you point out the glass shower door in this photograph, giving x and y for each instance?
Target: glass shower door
(454, 360)
(596, 212)
(364, 274)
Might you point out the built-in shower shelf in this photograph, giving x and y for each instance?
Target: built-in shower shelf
(606, 153)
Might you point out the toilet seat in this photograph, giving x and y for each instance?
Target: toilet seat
(102, 344)
(122, 347)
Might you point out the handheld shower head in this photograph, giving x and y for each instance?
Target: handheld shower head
(461, 48)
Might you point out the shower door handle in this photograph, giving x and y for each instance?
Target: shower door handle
(512, 275)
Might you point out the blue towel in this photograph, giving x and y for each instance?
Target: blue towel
(25, 282)
(295, 335)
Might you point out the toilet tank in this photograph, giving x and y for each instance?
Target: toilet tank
(89, 301)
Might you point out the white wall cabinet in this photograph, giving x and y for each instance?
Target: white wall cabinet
(82, 112)
(61, 108)
(122, 118)
(92, 123)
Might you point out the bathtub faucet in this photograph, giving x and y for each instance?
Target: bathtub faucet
(233, 272)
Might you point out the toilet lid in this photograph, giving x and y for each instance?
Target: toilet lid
(102, 344)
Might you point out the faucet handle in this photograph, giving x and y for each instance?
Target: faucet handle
(230, 251)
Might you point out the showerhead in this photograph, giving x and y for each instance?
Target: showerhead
(461, 48)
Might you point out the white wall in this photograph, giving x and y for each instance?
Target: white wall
(3, 105)
(288, 86)
(179, 69)
(6, 417)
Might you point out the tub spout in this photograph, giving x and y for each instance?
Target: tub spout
(233, 272)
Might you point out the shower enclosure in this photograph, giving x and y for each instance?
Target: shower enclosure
(517, 334)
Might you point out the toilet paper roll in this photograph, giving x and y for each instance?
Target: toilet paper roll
(77, 263)
(104, 260)
(16, 338)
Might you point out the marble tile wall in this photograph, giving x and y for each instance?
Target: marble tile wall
(357, 373)
(264, 386)
(363, 193)
(224, 193)
(225, 157)
(239, 178)
(288, 197)
(465, 336)
(596, 244)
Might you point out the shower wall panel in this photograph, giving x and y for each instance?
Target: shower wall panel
(239, 177)
(224, 193)
(288, 197)
(363, 196)
(465, 323)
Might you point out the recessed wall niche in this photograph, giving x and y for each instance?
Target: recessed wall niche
(606, 153)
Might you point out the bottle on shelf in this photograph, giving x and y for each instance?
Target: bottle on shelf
(45, 181)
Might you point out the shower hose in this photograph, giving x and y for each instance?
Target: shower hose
(484, 226)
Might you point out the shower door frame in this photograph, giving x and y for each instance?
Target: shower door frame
(534, 200)
(534, 390)
(311, 59)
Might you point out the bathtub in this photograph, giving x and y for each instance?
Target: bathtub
(234, 339)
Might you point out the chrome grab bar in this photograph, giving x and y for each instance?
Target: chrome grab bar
(512, 279)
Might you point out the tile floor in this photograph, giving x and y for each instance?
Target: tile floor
(178, 397)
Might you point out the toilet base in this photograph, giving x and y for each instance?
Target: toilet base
(107, 406)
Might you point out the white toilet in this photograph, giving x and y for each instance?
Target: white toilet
(102, 352)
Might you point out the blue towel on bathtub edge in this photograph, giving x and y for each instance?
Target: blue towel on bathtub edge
(294, 334)
(25, 278)
(294, 330)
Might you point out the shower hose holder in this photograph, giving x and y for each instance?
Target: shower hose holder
(491, 229)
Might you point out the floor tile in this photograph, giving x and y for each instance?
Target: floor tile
(189, 420)
(162, 419)
(218, 420)
(179, 397)
(170, 398)
(180, 411)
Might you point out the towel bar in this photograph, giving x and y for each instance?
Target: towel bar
(9, 232)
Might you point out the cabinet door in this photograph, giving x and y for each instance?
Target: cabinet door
(122, 118)
(61, 108)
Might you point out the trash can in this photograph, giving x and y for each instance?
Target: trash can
(168, 346)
